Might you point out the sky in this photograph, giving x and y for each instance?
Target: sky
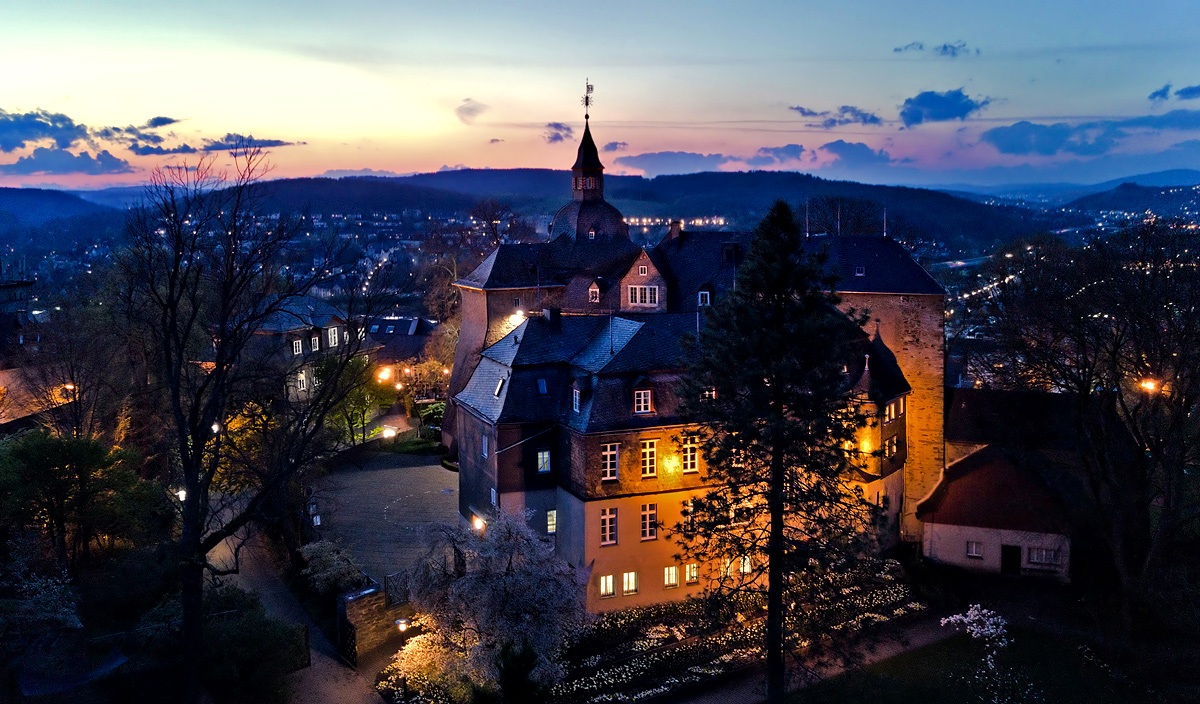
(97, 94)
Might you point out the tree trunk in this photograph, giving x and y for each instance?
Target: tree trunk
(776, 688)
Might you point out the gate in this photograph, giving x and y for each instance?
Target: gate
(395, 588)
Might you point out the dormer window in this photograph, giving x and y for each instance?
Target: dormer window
(333, 337)
(593, 295)
(390, 329)
(297, 347)
(860, 271)
(316, 342)
(592, 234)
(575, 400)
(374, 329)
(703, 298)
(499, 388)
(643, 401)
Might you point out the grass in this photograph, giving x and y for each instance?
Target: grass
(941, 673)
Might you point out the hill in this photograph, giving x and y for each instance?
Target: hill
(326, 195)
(34, 206)
(1132, 198)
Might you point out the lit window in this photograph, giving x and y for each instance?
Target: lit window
(541, 386)
(333, 337)
(316, 342)
(670, 576)
(643, 295)
(483, 442)
(301, 381)
(641, 271)
(691, 572)
(552, 521)
(1044, 556)
(708, 394)
(649, 521)
(499, 388)
(690, 453)
(702, 298)
(543, 461)
(608, 526)
(629, 583)
(744, 564)
(575, 400)
(593, 295)
(297, 346)
(606, 586)
(643, 400)
(891, 448)
(374, 329)
(649, 458)
(974, 548)
(608, 461)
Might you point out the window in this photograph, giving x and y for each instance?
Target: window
(483, 440)
(890, 448)
(499, 388)
(541, 386)
(592, 232)
(649, 458)
(493, 496)
(552, 521)
(649, 521)
(316, 342)
(390, 329)
(374, 329)
(606, 586)
(689, 515)
(744, 564)
(575, 394)
(593, 295)
(543, 459)
(860, 271)
(974, 548)
(517, 303)
(297, 346)
(641, 271)
(709, 394)
(670, 577)
(690, 452)
(301, 381)
(691, 572)
(333, 337)
(1044, 556)
(702, 299)
(629, 583)
(608, 526)
(643, 401)
(608, 461)
(643, 295)
(893, 410)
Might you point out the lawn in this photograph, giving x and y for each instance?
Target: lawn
(1057, 670)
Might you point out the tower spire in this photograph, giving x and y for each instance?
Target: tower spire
(587, 99)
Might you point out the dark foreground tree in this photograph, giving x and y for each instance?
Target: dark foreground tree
(768, 389)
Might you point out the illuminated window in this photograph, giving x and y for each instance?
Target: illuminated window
(333, 337)
(297, 346)
(643, 295)
(608, 526)
(708, 394)
(690, 455)
(301, 381)
(641, 271)
(670, 576)
(649, 521)
(890, 448)
(499, 388)
(593, 295)
(543, 461)
(552, 521)
(575, 400)
(702, 298)
(649, 458)
(629, 583)
(606, 586)
(974, 548)
(691, 572)
(643, 401)
(744, 564)
(608, 461)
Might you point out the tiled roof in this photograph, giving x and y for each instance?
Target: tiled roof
(885, 265)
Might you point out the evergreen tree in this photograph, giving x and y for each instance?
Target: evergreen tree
(768, 390)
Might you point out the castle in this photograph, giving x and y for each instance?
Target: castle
(562, 399)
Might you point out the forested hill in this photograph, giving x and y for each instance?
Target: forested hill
(34, 206)
(1132, 198)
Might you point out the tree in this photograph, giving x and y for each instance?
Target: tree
(357, 409)
(205, 274)
(1114, 325)
(767, 389)
(499, 604)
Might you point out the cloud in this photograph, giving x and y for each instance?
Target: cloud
(44, 160)
(911, 46)
(469, 110)
(232, 141)
(456, 167)
(768, 156)
(615, 147)
(659, 163)
(343, 173)
(149, 150)
(1186, 93)
(808, 113)
(954, 50)
(19, 129)
(850, 155)
(495, 140)
(1160, 95)
(845, 115)
(557, 132)
(156, 122)
(931, 106)
(1084, 139)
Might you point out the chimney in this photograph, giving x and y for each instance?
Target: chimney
(676, 231)
(554, 317)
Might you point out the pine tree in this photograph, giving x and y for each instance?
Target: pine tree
(768, 391)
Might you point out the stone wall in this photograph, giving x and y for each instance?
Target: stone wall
(373, 620)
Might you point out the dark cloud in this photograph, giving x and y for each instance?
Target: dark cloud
(1187, 93)
(659, 163)
(495, 140)
(953, 50)
(931, 106)
(155, 150)
(852, 155)
(469, 110)
(557, 132)
(156, 122)
(1085, 139)
(232, 141)
(808, 113)
(1027, 137)
(19, 129)
(911, 46)
(768, 156)
(44, 160)
(845, 115)
(615, 147)
(1160, 95)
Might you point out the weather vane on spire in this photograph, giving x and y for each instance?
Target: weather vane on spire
(587, 99)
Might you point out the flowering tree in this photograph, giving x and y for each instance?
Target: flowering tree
(998, 685)
(499, 606)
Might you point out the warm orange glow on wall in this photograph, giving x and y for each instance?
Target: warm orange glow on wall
(671, 464)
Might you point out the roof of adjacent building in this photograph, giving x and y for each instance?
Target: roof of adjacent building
(886, 267)
(302, 314)
(1024, 419)
(991, 489)
(407, 337)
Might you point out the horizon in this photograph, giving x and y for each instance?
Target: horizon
(1043, 95)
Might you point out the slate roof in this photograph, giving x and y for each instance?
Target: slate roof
(302, 314)
(551, 264)
(694, 261)
(887, 266)
(406, 340)
(588, 157)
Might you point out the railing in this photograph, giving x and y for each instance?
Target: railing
(395, 588)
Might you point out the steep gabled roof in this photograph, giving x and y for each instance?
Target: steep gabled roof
(887, 267)
(588, 157)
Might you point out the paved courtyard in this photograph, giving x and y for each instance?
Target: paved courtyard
(380, 509)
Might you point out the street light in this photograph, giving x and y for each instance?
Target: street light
(403, 624)
(1150, 386)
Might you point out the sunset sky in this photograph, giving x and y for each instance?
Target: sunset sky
(99, 93)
